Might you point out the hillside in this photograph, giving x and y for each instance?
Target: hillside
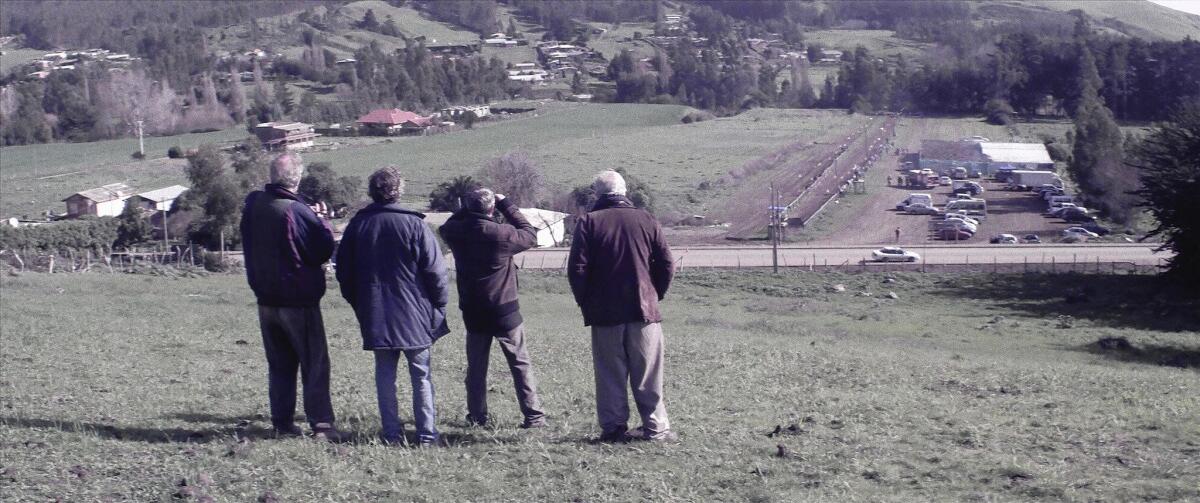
(1133, 17)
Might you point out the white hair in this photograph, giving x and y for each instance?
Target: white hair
(287, 169)
(481, 201)
(609, 182)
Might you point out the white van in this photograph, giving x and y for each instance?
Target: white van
(912, 199)
(975, 207)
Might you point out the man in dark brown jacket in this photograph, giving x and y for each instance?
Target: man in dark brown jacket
(619, 268)
(487, 294)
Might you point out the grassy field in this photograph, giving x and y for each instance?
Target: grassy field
(879, 42)
(967, 387)
(13, 58)
(34, 178)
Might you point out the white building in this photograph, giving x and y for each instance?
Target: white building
(161, 199)
(106, 201)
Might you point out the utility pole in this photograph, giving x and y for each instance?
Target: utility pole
(166, 238)
(774, 230)
(141, 143)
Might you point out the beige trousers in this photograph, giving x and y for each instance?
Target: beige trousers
(629, 353)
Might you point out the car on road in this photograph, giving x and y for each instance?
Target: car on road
(1003, 239)
(1031, 239)
(894, 254)
(1079, 231)
(952, 234)
(920, 209)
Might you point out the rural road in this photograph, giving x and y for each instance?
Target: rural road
(760, 256)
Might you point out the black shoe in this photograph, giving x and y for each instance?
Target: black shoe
(474, 421)
(325, 432)
(530, 424)
(613, 436)
(665, 437)
(290, 430)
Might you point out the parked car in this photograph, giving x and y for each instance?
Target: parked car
(1003, 239)
(920, 209)
(1031, 239)
(1079, 231)
(945, 180)
(956, 224)
(1057, 211)
(954, 234)
(1077, 215)
(1097, 228)
(960, 216)
(894, 254)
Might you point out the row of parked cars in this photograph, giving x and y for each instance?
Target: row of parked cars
(959, 220)
(1060, 204)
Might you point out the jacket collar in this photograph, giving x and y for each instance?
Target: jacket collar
(390, 208)
(281, 192)
(607, 201)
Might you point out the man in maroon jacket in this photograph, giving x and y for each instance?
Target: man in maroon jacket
(487, 294)
(619, 268)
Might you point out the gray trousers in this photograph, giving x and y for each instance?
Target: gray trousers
(629, 353)
(294, 339)
(512, 344)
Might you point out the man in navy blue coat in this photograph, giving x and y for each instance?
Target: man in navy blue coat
(285, 245)
(393, 274)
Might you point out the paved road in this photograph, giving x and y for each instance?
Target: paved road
(718, 256)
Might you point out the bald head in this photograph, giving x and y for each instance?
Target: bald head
(286, 170)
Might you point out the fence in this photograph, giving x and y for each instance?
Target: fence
(84, 261)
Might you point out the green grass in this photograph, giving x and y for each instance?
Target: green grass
(879, 42)
(1138, 18)
(29, 181)
(13, 58)
(571, 142)
(968, 387)
(613, 41)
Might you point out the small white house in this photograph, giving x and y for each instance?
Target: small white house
(161, 199)
(550, 225)
(106, 201)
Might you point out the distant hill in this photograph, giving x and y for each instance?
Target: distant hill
(1138, 18)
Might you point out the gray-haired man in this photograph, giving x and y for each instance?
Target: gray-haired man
(619, 268)
(285, 245)
(487, 291)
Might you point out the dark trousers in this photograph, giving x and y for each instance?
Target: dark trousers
(294, 339)
(512, 343)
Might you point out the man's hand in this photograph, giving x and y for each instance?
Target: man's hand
(320, 209)
(499, 197)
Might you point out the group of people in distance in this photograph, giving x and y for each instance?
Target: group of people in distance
(390, 269)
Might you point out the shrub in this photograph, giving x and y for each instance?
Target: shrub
(175, 152)
(138, 156)
(999, 112)
(213, 262)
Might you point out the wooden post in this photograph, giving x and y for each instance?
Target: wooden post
(19, 261)
(222, 247)
(51, 263)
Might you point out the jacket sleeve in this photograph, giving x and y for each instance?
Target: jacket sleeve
(520, 235)
(577, 262)
(345, 263)
(244, 225)
(433, 269)
(662, 265)
(313, 238)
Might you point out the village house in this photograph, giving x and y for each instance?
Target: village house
(105, 201)
(393, 121)
(285, 135)
(499, 40)
(159, 200)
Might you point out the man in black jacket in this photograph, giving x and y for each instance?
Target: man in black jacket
(487, 291)
(286, 245)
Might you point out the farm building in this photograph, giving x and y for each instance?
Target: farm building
(106, 201)
(479, 111)
(161, 199)
(393, 121)
(285, 135)
(982, 156)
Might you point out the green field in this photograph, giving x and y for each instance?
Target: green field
(966, 388)
(879, 42)
(13, 58)
(35, 178)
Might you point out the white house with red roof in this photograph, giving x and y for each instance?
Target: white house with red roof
(393, 121)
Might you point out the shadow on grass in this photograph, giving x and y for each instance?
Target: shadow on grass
(1120, 301)
(143, 434)
(1120, 349)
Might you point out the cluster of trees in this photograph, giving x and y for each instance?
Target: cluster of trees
(1168, 160)
(95, 234)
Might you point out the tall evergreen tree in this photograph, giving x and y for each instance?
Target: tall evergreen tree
(1168, 161)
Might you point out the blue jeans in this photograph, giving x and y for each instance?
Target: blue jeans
(424, 414)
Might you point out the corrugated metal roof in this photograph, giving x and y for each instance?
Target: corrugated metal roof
(106, 193)
(942, 150)
(1021, 153)
(163, 194)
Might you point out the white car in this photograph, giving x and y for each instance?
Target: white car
(945, 180)
(894, 254)
(920, 209)
(1079, 232)
(962, 217)
(1003, 239)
